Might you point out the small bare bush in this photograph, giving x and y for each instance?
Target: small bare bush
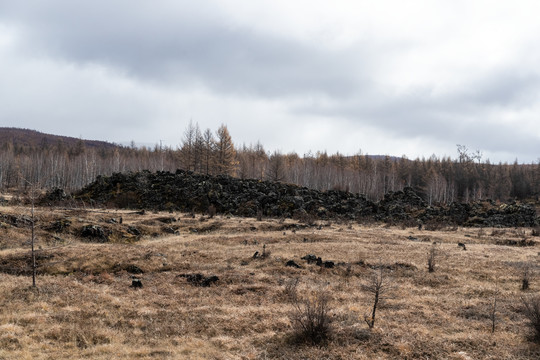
(433, 225)
(306, 218)
(527, 274)
(265, 253)
(498, 232)
(493, 311)
(212, 211)
(520, 232)
(290, 289)
(481, 233)
(432, 258)
(531, 309)
(310, 318)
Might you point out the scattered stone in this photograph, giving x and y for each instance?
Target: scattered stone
(292, 263)
(136, 283)
(310, 258)
(412, 238)
(133, 231)
(328, 264)
(170, 230)
(190, 192)
(200, 280)
(58, 226)
(520, 243)
(53, 196)
(134, 269)
(95, 232)
(462, 245)
(17, 221)
(394, 266)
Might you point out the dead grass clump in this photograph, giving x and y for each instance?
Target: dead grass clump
(290, 289)
(305, 218)
(434, 225)
(531, 310)
(527, 273)
(212, 211)
(310, 318)
(10, 342)
(520, 232)
(481, 233)
(265, 254)
(208, 228)
(520, 243)
(498, 232)
(410, 223)
(432, 258)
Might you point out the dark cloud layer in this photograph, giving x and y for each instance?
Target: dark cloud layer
(180, 47)
(129, 69)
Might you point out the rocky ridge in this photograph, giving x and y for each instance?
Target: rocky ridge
(190, 192)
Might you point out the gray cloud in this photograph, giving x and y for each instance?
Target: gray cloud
(472, 115)
(139, 70)
(188, 47)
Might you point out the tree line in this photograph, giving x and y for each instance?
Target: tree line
(440, 180)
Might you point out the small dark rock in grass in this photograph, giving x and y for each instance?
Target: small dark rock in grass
(134, 269)
(328, 264)
(136, 283)
(293, 264)
(200, 280)
(133, 231)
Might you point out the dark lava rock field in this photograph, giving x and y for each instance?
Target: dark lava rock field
(190, 192)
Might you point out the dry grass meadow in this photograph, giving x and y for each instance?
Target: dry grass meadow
(85, 308)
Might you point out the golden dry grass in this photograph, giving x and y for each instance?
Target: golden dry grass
(84, 306)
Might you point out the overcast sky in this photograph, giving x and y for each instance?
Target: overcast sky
(410, 78)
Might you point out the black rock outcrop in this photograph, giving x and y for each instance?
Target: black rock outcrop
(190, 192)
(186, 191)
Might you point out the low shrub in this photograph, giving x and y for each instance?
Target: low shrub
(310, 318)
(531, 310)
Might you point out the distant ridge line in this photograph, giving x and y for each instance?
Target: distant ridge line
(33, 138)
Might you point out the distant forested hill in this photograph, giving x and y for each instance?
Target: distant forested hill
(25, 138)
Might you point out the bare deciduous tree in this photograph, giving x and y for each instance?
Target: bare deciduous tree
(276, 167)
(225, 153)
(33, 196)
(380, 286)
(208, 151)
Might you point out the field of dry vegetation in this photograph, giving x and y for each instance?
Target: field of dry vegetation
(85, 307)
